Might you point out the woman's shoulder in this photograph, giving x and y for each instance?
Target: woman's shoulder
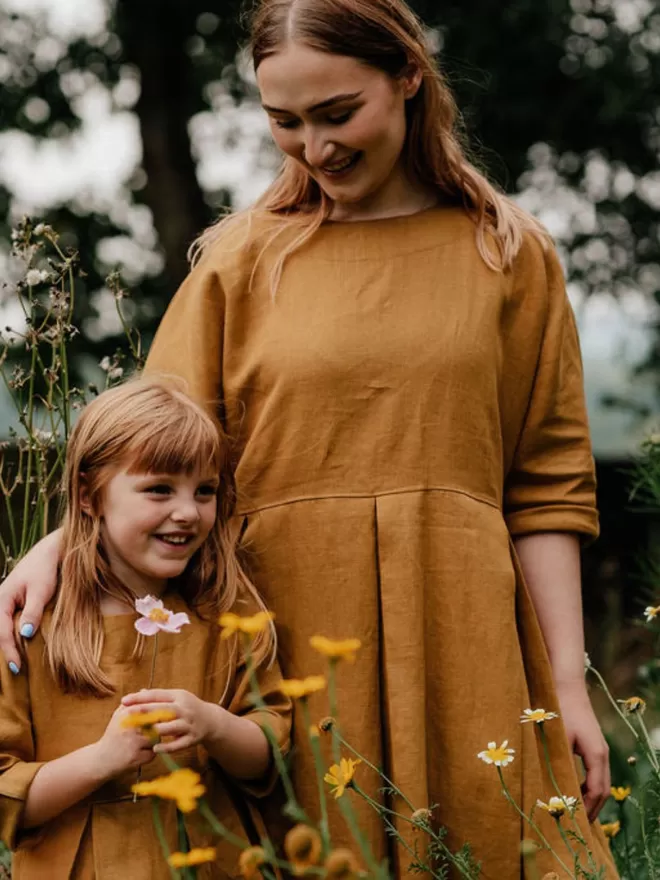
(237, 240)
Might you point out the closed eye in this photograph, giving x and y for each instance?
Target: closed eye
(341, 119)
(291, 123)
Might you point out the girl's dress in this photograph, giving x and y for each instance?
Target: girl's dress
(402, 412)
(107, 836)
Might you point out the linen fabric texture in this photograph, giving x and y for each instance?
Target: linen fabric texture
(401, 412)
(108, 836)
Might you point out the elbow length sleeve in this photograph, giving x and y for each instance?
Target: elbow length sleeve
(551, 485)
(17, 765)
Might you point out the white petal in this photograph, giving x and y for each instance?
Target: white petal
(147, 604)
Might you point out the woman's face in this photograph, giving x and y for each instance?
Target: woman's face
(341, 119)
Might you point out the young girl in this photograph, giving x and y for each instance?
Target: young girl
(149, 493)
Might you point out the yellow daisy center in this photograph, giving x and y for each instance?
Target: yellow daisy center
(158, 615)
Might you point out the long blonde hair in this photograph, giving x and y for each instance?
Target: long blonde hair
(386, 35)
(146, 425)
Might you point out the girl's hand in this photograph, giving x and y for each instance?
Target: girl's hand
(586, 740)
(195, 719)
(122, 748)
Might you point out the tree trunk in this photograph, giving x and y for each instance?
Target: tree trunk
(154, 38)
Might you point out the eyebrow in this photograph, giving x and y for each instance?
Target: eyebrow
(322, 105)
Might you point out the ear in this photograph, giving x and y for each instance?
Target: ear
(83, 497)
(411, 80)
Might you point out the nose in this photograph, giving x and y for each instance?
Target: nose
(317, 149)
(186, 511)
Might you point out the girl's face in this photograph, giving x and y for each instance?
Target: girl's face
(344, 121)
(152, 524)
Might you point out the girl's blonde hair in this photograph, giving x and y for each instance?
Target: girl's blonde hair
(386, 35)
(143, 426)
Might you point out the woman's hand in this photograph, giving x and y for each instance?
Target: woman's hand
(30, 586)
(194, 720)
(586, 740)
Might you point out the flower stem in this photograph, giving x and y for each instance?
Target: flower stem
(614, 703)
(292, 805)
(160, 832)
(651, 749)
(531, 823)
(345, 806)
(377, 770)
(576, 828)
(149, 685)
(187, 872)
(384, 812)
(315, 744)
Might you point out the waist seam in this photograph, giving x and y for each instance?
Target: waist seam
(332, 496)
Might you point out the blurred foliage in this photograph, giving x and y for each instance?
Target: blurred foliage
(554, 92)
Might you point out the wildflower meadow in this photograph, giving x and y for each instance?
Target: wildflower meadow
(36, 369)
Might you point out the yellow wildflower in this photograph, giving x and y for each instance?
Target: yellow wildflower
(232, 623)
(633, 705)
(148, 719)
(611, 829)
(250, 860)
(651, 612)
(341, 775)
(620, 793)
(314, 731)
(194, 857)
(299, 688)
(557, 806)
(336, 650)
(537, 716)
(302, 846)
(183, 786)
(341, 864)
(498, 755)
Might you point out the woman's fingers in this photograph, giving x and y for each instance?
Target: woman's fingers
(596, 786)
(36, 599)
(9, 601)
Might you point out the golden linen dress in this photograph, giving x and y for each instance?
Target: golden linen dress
(107, 836)
(401, 412)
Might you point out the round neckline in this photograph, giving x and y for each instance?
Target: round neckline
(392, 219)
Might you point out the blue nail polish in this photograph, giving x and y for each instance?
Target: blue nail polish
(27, 630)
(13, 668)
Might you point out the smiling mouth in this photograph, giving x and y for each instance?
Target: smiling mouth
(175, 540)
(341, 167)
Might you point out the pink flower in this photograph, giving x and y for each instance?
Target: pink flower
(155, 617)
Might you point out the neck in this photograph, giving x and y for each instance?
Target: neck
(398, 197)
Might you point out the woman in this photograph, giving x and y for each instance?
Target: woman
(399, 365)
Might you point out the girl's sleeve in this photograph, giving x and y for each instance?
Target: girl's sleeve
(550, 483)
(276, 714)
(189, 340)
(17, 764)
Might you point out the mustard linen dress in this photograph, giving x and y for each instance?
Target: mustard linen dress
(401, 412)
(107, 836)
